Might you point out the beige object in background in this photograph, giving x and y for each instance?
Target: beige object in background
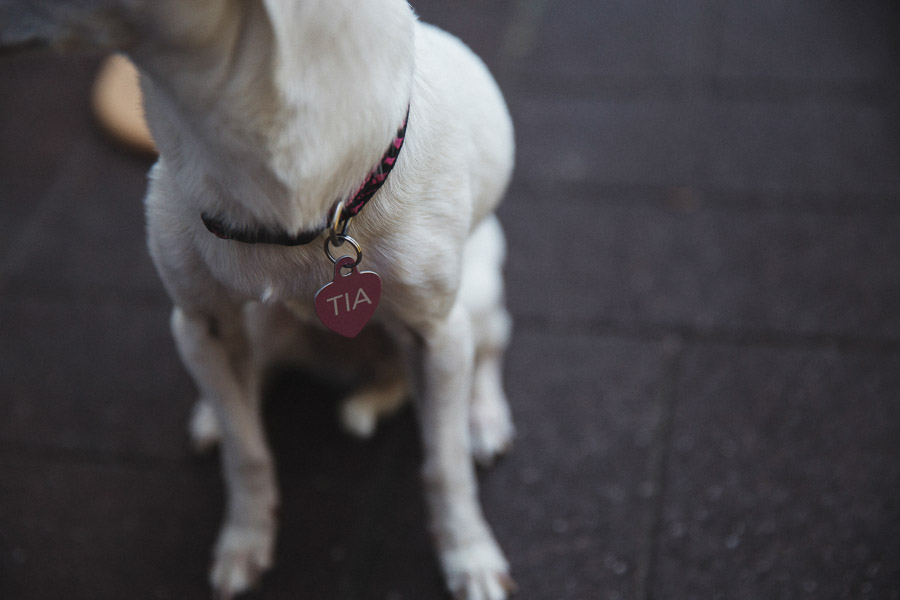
(117, 104)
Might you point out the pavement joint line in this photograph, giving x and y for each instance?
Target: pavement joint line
(699, 90)
(658, 466)
(65, 455)
(777, 90)
(66, 292)
(564, 87)
(709, 198)
(750, 337)
(69, 172)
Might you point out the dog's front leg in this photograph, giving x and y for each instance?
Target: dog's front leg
(442, 360)
(214, 348)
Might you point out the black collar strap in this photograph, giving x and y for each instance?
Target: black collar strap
(351, 207)
(257, 236)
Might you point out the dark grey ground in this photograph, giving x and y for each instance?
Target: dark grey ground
(705, 275)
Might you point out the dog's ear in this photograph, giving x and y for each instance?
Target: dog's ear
(101, 24)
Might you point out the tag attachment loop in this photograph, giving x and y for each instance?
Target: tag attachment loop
(337, 241)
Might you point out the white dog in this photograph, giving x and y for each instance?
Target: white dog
(269, 116)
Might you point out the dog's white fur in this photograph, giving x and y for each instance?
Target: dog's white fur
(268, 112)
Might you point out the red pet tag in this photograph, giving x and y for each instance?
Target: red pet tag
(347, 303)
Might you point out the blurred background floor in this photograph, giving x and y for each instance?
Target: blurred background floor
(705, 276)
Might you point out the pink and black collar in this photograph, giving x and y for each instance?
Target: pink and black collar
(351, 207)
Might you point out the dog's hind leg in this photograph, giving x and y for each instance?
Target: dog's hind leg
(490, 423)
(214, 348)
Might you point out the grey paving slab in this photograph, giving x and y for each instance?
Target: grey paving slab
(634, 263)
(104, 531)
(89, 228)
(643, 40)
(573, 502)
(766, 146)
(40, 128)
(782, 481)
(803, 146)
(807, 41)
(91, 376)
(614, 141)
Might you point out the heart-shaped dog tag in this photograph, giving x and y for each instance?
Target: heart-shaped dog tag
(347, 303)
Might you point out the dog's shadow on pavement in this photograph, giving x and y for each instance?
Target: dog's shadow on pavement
(352, 514)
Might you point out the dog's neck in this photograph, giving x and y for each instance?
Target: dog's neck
(279, 109)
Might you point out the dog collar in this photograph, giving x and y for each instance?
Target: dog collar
(350, 208)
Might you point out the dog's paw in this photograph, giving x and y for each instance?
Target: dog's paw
(204, 427)
(491, 430)
(359, 418)
(242, 555)
(361, 411)
(478, 572)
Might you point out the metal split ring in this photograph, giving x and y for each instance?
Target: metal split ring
(336, 225)
(338, 236)
(338, 240)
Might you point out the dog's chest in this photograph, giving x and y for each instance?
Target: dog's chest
(302, 310)
(309, 284)
(269, 273)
